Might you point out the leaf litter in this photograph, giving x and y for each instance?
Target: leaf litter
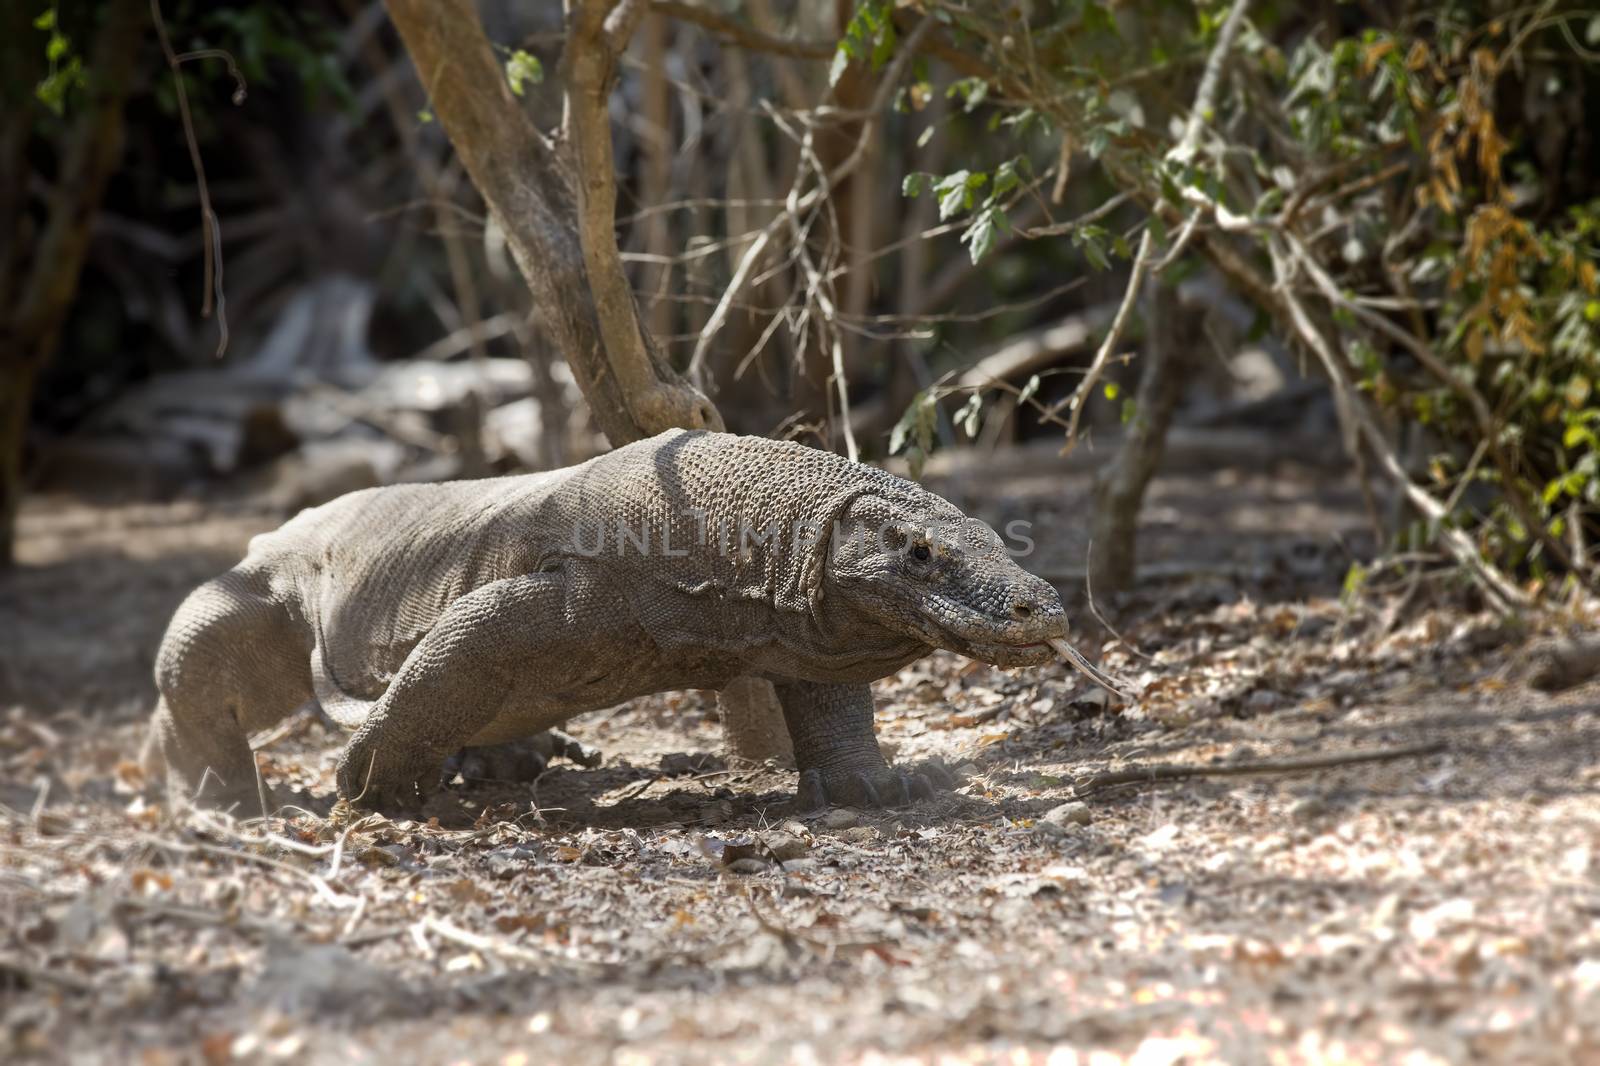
(1438, 905)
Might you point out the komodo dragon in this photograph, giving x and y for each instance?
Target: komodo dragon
(430, 617)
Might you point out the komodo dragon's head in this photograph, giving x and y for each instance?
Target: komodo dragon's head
(919, 567)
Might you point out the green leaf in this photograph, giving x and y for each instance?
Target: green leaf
(46, 20)
(913, 185)
(980, 236)
(955, 191)
(1355, 579)
(916, 425)
(841, 61)
(1006, 178)
(1113, 390)
(425, 116)
(973, 91)
(1095, 254)
(523, 69)
(968, 416)
(883, 47)
(1158, 230)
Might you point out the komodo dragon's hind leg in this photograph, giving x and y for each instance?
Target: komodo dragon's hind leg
(451, 687)
(232, 662)
(837, 750)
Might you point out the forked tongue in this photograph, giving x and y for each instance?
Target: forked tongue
(1074, 658)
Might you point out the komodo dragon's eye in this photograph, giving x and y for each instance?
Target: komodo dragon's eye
(921, 553)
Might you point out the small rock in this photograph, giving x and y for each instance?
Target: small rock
(381, 855)
(785, 846)
(685, 764)
(1071, 813)
(1262, 699)
(507, 862)
(1307, 808)
(862, 834)
(841, 818)
(747, 865)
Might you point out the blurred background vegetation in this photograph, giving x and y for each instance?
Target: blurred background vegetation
(892, 228)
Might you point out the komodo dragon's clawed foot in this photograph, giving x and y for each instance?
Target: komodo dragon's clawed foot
(393, 782)
(887, 787)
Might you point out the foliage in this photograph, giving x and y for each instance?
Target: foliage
(66, 65)
(1391, 168)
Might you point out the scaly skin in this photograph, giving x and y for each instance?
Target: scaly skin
(428, 618)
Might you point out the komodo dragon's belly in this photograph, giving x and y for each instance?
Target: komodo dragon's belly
(545, 693)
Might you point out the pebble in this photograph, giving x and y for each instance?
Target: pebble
(1071, 813)
(1308, 808)
(747, 866)
(841, 818)
(507, 862)
(785, 846)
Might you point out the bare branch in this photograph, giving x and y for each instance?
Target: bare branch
(1204, 102)
(1176, 772)
(746, 37)
(567, 254)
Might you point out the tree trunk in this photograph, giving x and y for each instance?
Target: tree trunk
(1119, 486)
(16, 394)
(43, 275)
(553, 222)
(557, 209)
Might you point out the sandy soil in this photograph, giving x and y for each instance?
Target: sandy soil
(1439, 906)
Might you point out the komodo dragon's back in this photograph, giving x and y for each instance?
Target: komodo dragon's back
(372, 572)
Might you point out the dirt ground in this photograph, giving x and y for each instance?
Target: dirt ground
(1438, 905)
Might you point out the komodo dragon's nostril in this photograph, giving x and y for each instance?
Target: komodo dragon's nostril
(1022, 610)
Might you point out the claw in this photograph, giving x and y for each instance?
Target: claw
(901, 796)
(471, 767)
(871, 794)
(811, 796)
(940, 774)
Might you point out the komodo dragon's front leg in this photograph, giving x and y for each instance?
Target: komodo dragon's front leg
(451, 687)
(837, 750)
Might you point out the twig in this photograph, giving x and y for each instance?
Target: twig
(477, 942)
(1177, 771)
(1088, 589)
(55, 976)
(211, 234)
(1502, 593)
(1204, 103)
(826, 182)
(746, 37)
(1474, 399)
(1077, 400)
